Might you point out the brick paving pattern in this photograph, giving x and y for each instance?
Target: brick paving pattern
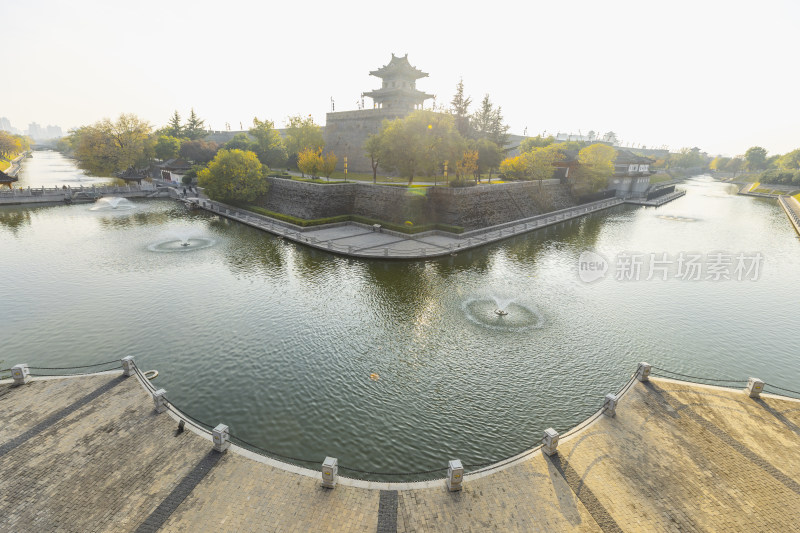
(677, 457)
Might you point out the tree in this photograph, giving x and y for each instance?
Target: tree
(513, 168)
(194, 128)
(718, 163)
(756, 158)
(201, 152)
(328, 164)
(309, 162)
(372, 149)
(467, 166)
(234, 176)
(268, 144)
(240, 141)
(487, 122)
(687, 158)
(302, 134)
(790, 161)
(9, 145)
(420, 143)
(535, 142)
(107, 147)
(459, 108)
(595, 166)
(735, 164)
(167, 147)
(489, 157)
(174, 128)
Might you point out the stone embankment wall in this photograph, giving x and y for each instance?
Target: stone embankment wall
(468, 207)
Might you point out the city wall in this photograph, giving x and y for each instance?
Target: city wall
(468, 207)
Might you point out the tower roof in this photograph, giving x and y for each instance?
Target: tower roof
(399, 67)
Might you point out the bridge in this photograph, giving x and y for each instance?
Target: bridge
(68, 195)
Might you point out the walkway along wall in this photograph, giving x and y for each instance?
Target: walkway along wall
(468, 207)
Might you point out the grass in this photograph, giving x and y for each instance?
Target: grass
(305, 223)
(754, 186)
(797, 197)
(661, 178)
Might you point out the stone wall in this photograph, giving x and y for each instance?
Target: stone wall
(345, 133)
(468, 207)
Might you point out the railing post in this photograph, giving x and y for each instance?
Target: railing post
(643, 372)
(128, 366)
(221, 437)
(330, 472)
(21, 374)
(160, 400)
(610, 405)
(755, 387)
(550, 441)
(455, 475)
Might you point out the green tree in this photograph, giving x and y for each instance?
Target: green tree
(107, 147)
(268, 144)
(372, 149)
(487, 122)
(420, 143)
(234, 176)
(790, 161)
(302, 134)
(687, 158)
(240, 141)
(735, 164)
(718, 163)
(489, 157)
(756, 158)
(194, 128)
(595, 166)
(535, 142)
(459, 108)
(174, 128)
(167, 147)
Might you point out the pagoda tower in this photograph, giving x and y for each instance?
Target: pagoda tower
(398, 92)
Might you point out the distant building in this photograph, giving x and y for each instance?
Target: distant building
(35, 131)
(345, 132)
(5, 124)
(53, 132)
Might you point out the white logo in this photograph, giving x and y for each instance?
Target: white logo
(591, 267)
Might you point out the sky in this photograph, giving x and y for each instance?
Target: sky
(720, 75)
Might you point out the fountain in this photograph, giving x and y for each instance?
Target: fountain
(181, 243)
(505, 314)
(113, 203)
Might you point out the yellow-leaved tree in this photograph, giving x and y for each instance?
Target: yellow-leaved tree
(596, 165)
(310, 162)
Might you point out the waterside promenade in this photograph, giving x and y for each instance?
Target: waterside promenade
(53, 195)
(792, 208)
(90, 453)
(360, 240)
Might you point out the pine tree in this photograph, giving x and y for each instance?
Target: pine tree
(194, 128)
(459, 108)
(174, 128)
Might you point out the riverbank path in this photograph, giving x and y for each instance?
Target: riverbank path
(90, 453)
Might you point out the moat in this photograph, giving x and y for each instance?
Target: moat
(392, 366)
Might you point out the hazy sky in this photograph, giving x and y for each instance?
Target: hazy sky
(722, 75)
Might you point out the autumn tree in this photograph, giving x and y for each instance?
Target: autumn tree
(302, 134)
(535, 142)
(195, 128)
(310, 162)
(459, 108)
(467, 166)
(268, 143)
(328, 164)
(167, 147)
(234, 176)
(10, 145)
(111, 146)
(372, 150)
(595, 166)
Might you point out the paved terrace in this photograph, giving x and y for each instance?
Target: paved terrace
(90, 453)
(360, 240)
(792, 208)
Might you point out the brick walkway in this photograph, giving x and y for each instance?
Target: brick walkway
(90, 454)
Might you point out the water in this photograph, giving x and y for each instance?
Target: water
(48, 168)
(281, 342)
